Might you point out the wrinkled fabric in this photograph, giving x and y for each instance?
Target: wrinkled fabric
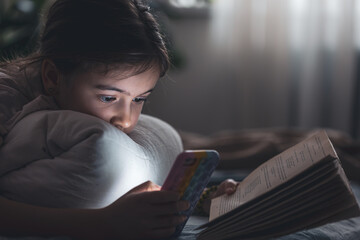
(62, 158)
(18, 87)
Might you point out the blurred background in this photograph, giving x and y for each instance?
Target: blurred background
(242, 64)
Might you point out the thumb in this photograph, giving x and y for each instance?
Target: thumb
(145, 187)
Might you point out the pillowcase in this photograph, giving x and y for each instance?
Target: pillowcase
(69, 159)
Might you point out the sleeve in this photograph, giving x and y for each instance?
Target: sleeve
(17, 88)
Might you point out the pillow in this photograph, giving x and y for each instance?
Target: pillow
(70, 159)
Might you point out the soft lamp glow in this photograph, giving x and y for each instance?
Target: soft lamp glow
(127, 168)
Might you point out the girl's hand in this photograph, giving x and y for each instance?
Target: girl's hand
(226, 187)
(142, 213)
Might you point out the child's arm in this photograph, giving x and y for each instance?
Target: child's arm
(138, 214)
(19, 219)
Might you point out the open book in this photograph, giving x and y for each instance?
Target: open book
(303, 187)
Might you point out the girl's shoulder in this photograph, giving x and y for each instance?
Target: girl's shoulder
(19, 85)
(22, 76)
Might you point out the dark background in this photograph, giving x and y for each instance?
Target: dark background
(241, 64)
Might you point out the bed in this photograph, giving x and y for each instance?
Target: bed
(153, 143)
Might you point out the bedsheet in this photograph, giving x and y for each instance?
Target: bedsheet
(343, 230)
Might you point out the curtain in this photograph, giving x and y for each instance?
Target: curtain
(293, 61)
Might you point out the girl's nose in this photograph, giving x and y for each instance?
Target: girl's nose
(122, 119)
(122, 124)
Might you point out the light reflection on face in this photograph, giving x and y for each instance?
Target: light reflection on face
(111, 97)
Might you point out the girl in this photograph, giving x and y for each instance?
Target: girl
(102, 58)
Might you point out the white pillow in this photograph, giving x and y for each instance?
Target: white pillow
(70, 159)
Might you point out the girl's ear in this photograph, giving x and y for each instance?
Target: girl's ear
(50, 77)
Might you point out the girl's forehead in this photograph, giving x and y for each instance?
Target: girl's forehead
(127, 80)
(121, 71)
(113, 74)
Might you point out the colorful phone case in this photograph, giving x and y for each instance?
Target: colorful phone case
(189, 175)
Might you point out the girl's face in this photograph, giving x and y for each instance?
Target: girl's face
(111, 97)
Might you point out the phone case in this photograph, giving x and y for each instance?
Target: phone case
(189, 175)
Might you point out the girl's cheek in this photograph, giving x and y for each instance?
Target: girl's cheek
(104, 114)
(134, 119)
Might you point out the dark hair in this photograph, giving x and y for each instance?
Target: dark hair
(80, 35)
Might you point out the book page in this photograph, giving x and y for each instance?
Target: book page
(275, 171)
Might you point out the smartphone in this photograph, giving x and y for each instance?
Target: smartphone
(189, 175)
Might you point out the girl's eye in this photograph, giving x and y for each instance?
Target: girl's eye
(139, 100)
(107, 99)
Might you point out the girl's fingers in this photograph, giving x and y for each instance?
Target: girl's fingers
(228, 186)
(230, 183)
(145, 187)
(231, 190)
